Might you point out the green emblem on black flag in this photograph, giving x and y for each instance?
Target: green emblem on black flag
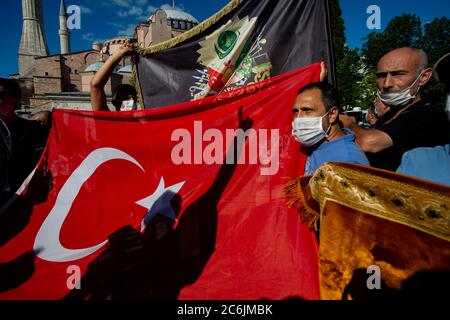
(246, 42)
(225, 43)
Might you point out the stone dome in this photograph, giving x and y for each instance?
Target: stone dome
(178, 19)
(178, 14)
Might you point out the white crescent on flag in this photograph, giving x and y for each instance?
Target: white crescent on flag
(47, 245)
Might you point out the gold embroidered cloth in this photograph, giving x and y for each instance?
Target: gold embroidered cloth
(371, 217)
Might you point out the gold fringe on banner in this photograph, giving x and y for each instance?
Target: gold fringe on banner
(135, 82)
(296, 194)
(233, 4)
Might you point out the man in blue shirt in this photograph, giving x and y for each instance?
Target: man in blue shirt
(427, 163)
(316, 127)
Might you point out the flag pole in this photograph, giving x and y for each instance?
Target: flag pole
(332, 62)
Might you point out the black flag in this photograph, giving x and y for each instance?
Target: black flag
(246, 42)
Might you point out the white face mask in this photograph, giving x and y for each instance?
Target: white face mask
(401, 98)
(309, 131)
(128, 105)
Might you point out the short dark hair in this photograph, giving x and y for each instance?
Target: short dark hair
(12, 86)
(329, 94)
(120, 89)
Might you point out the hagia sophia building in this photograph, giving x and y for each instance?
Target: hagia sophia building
(63, 80)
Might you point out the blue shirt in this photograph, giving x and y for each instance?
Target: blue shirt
(427, 163)
(343, 149)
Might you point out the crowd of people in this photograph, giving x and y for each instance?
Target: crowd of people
(406, 134)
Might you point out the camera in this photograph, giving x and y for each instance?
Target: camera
(359, 115)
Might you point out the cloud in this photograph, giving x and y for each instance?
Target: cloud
(116, 24)
(133, 11)
(151, 9)
(136, 12)
(128, 31)
(126, 3)
(122, 3)
(179, 6)
(136, 8)
(86, 10)
(147, 13)
(90, 37)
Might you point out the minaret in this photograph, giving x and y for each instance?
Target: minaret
(33, 42)
(64, 34)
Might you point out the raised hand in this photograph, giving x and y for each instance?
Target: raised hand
(323, 71)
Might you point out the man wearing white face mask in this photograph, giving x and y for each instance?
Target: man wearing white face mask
(410, 123)
(316, 126)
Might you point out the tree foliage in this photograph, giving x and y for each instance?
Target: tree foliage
(356, 68)
(401, 31)
(436, 43)
(349, 67)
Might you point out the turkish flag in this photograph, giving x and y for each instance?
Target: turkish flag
(180, 202)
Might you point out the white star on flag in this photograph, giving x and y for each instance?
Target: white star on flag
(159, 202)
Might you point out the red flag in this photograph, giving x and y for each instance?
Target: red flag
(166, 203)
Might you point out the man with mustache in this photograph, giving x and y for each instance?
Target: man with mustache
(411, 122)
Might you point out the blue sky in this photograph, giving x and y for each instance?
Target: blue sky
(105, 19)
(355, 16)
